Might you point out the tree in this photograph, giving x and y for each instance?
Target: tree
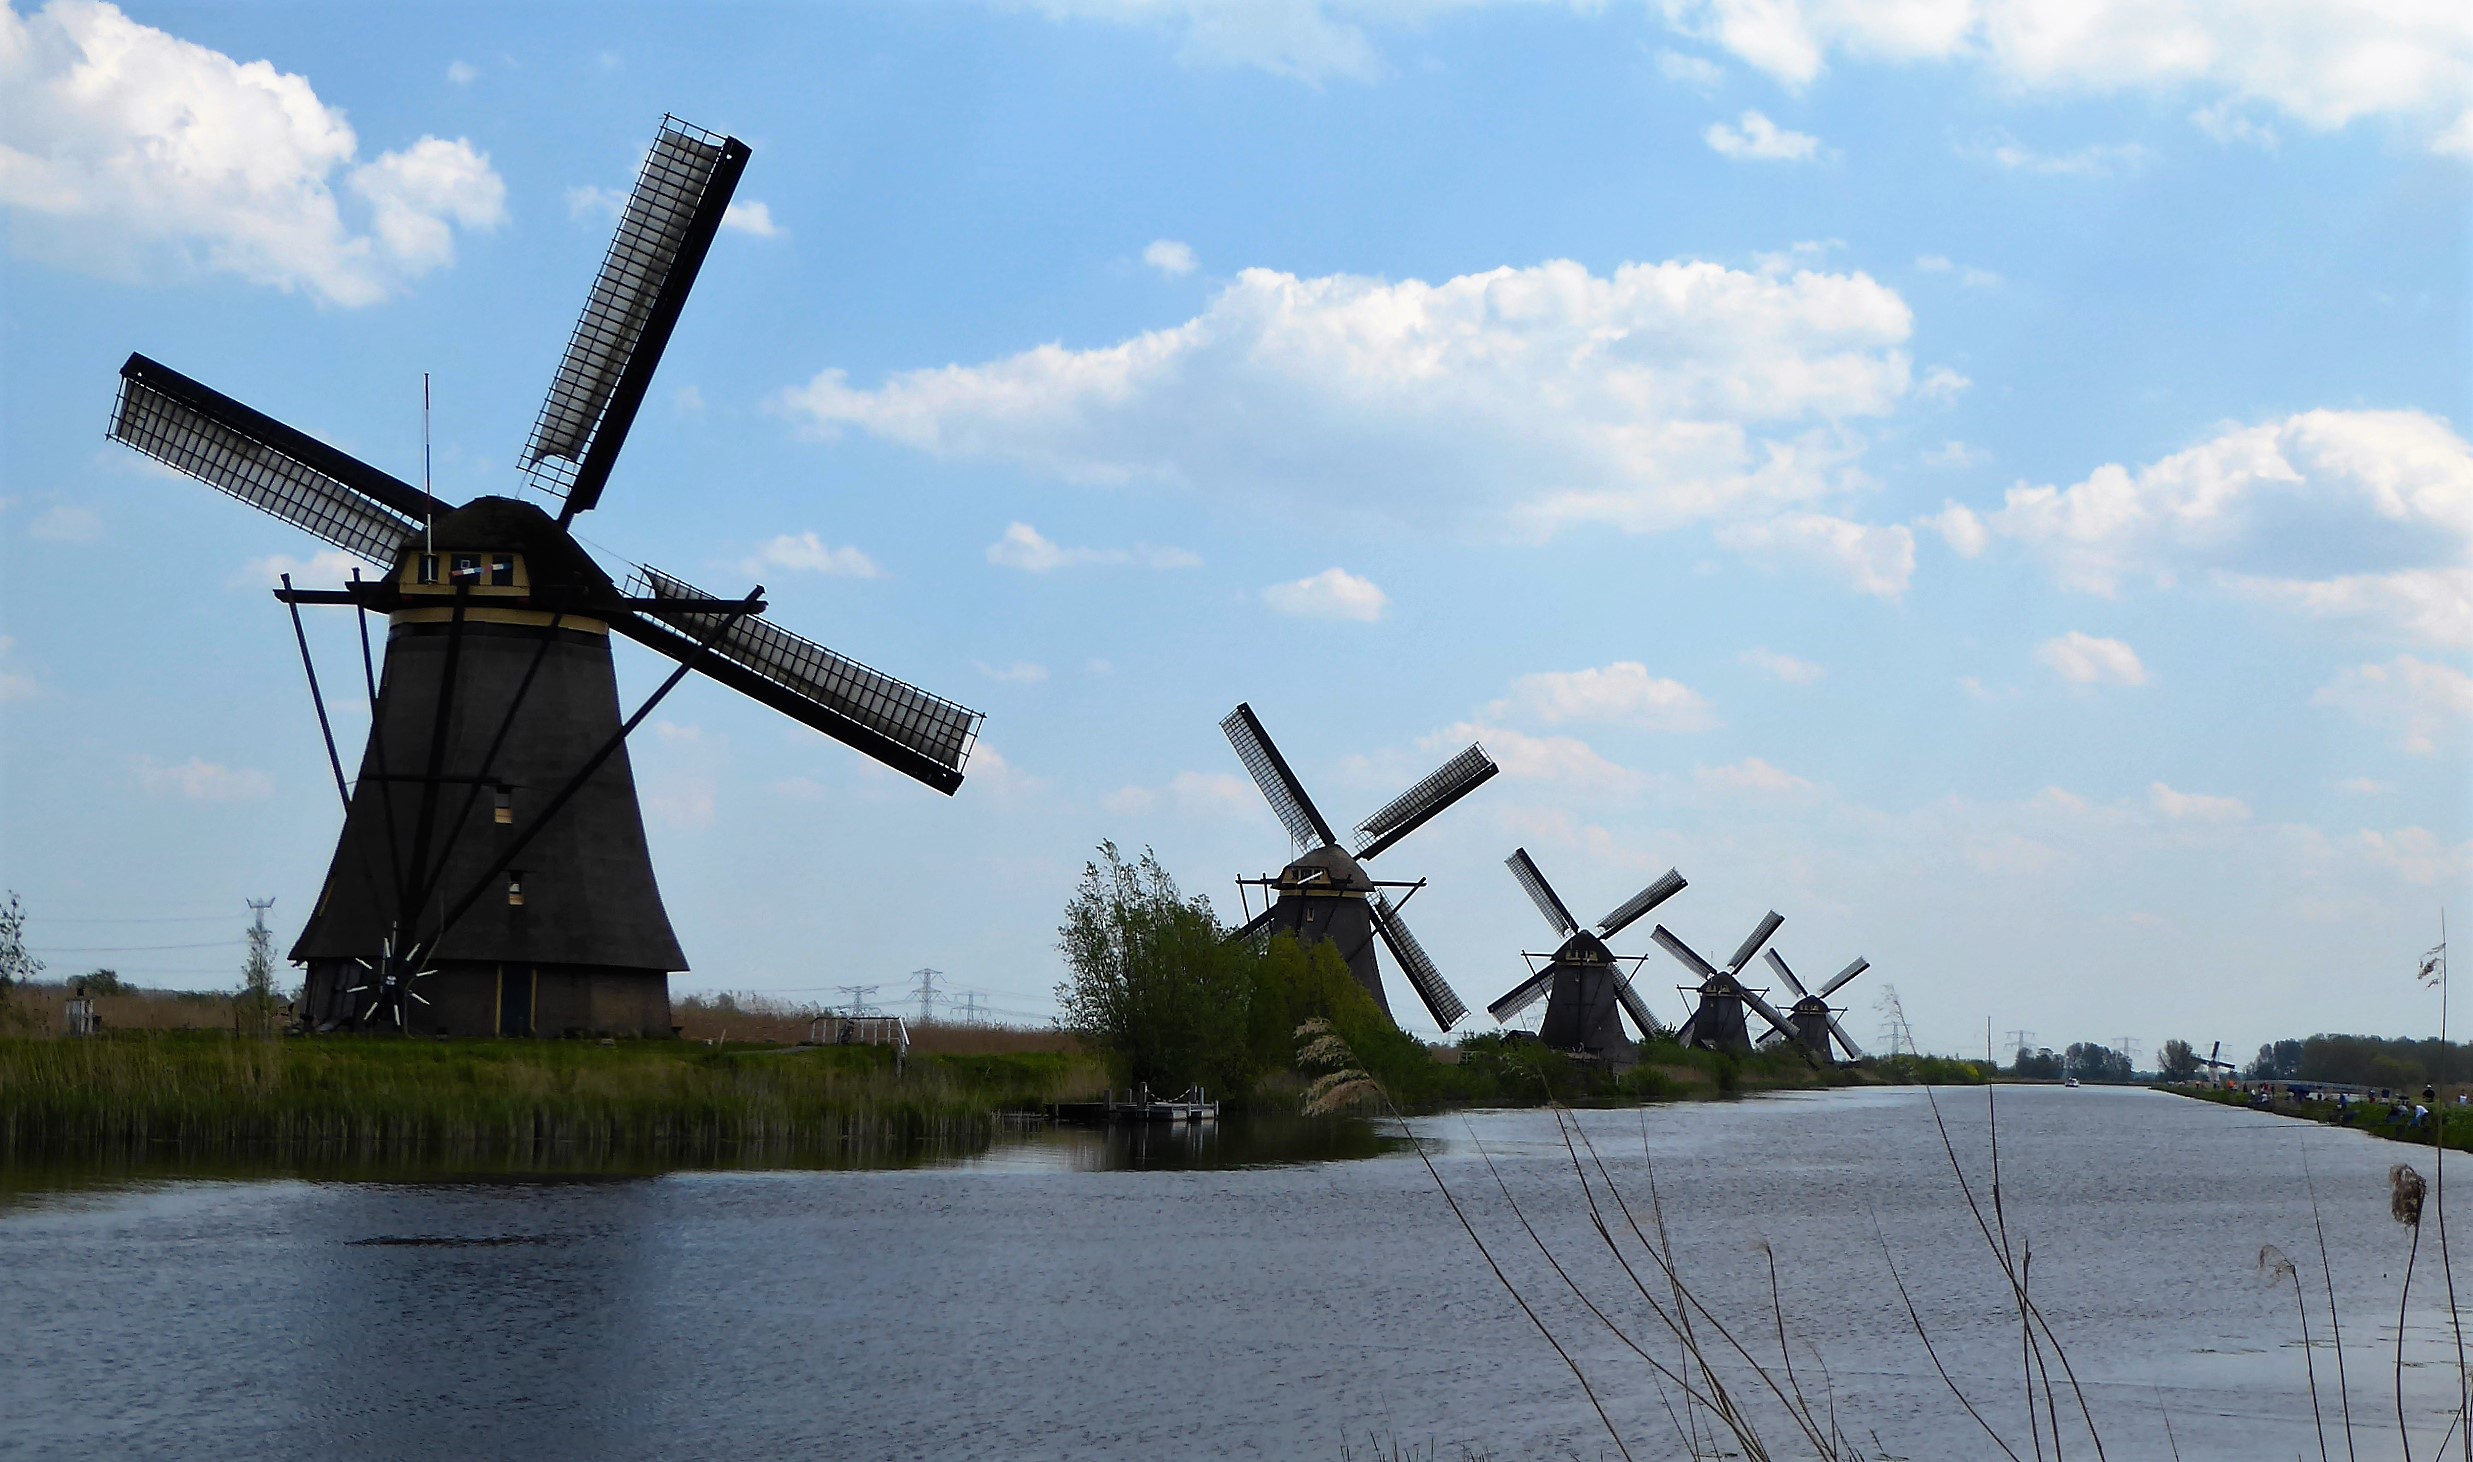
(2038, 1065)
(104, 982)
(2090, 1062)
(16, 965)
(1152, 983)
(2178, 1062)
(2278, 1062)
(258, 998)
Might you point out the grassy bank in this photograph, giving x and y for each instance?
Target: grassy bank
(2376, 1118)
(204, 1092)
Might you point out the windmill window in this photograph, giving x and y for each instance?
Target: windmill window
(503, 810)
(502, 570)
(515, 888)
(429, 568)
(467, 568)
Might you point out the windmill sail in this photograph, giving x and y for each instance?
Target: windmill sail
(1777, 962)
(268, 465)
(1642, 1021)
(1640, 903)
(663, 232)
(1759, 936)
(1523, 995)
(1541, 893)
(1279, 785)
(1421, 803)
(909, 729)
(1417, 965)
(1842, 976)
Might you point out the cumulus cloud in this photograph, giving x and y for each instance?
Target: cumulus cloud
(2323, 63)
(2383, 498)
(1966, 274)
(1757, 139)
(1020, 672)
(1955, 453)
(127, 149)
(1871, 558)
(1621, 694)
(1026, 548)
(199, 780)
(1526, 758)
(1959, 527)
(807, 554)
(2084, 659)
(2195, 806)
(1785, 667)
(323, 569)
(1170, 257)
(751, 217)
(1659, 395)
(2094, 160)
(1334, 593)
(2426, 704)
(1210, 794)
(2418, 855)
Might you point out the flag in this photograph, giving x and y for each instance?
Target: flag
(2433, 966)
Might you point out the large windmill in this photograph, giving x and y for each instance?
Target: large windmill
(1717, 1023)
(1583, 983)
(492, 875)
(1324, 893)
(1814, 1021)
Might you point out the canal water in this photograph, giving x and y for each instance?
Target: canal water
(1279, 1292)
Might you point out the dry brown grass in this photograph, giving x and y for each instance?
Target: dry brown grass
(764, 1019)
(43, 1010)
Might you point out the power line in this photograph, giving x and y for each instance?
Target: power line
(926, 993)
(858, 997)
(127, 948)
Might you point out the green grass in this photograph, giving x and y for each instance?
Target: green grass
(2455, 1123)
(207, 1092)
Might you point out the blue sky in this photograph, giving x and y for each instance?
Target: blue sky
(1988, 482)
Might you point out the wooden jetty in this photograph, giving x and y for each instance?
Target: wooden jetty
(1138, 1105)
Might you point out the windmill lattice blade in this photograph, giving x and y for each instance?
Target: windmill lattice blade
(1540, 893)
(1842, 976)
(1428, 981)
(1638, 1009)
(1777, 962)
(663, 231)
(1640, 903)
(1852, 1050)
(1770, 1013)
(1676, 947)
(1279, 785)
(1521, 996)
(1420, 804)
(933, 735)
(1253, 926)
(264, 463)
(1751, 946)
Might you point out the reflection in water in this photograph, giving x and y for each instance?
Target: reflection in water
(1168, 1292)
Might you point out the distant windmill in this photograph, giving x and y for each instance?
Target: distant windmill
(1324, 894)
(2214, 1061)
(1717, 1024)
(1583, 983)
(1814, 1021)
(492, 875)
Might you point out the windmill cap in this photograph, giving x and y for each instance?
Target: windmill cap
(502, 524)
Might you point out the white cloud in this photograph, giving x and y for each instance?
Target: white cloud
(1526, 758)
(66, 523)
(1960, 528)
(1954, 453)
(1024, 547)
(127, 149)
(992, 772)
(588, 201)
(2417, 854)
(1967, 275)
(2323, 63)
(688, 402)
(1170, 257)
(1785, 667)
(1661, 395)
(1621, 694)
(325, 569)
(678, 733)
(1757, 139)
(1210, 794)
(1751, 775)
(1942, 384)
(2364, 787)
(1697, 72)
(2426, 704)
(1308, 40)
(2084, 659)
(198, 780)
(2095, 160)
(2195, 806)
(1020, 672)
(462, 73)
(684, 800)
(1872, 559)
(15, 685)
(2390, 486)
(751, 217)
(806, 553)
(1334, 593)
(1989, 694)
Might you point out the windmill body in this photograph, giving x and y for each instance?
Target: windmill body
(1720, 1021)
(1324, 894)
(492, 875)
(1586, 989)
(1812, 1022)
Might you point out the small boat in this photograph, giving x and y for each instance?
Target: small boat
(2072, 1083)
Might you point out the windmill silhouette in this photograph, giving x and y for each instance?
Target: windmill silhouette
(1583, 982)
(1324, 893)
(492, 874)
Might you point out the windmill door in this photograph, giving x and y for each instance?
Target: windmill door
(515, 1000)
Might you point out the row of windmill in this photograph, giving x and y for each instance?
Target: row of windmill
(1324, 894)
(492, 874)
